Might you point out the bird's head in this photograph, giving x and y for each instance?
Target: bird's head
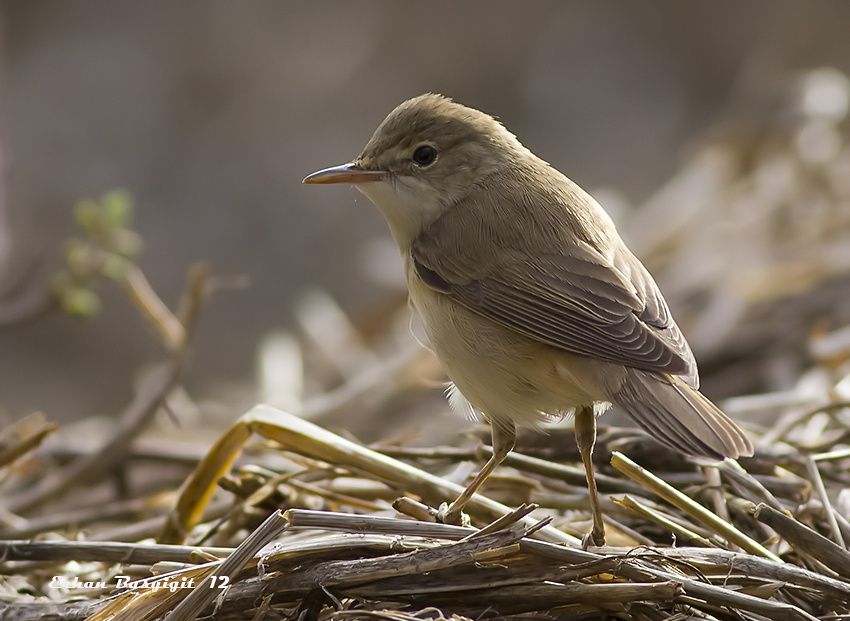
(424, 158)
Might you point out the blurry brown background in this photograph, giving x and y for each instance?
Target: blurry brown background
(210, 113)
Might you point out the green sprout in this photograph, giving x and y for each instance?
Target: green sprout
(106, 249)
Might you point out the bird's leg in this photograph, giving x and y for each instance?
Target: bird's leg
(504, 439)
(585, 426)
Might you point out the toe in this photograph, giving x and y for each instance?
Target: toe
(447, 515)
(598, 537)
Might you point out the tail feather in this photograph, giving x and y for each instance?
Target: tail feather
(680, 416)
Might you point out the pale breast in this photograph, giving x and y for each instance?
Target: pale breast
(501, 373)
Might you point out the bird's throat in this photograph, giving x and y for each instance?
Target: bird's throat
(407, 207)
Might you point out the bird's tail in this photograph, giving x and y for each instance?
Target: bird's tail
(680, 417)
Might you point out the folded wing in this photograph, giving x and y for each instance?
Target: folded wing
(574, 299)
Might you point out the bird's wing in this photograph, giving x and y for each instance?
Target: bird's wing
(575, 299)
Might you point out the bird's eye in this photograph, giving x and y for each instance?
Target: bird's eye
(424, 155)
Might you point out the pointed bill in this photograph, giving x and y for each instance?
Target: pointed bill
(345, 173)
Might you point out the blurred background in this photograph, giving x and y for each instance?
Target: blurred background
(715, 133)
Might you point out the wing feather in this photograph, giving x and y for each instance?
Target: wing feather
(576, 300)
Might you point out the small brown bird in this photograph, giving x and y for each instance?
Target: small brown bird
(529, 297)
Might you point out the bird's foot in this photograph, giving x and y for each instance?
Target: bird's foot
(595, 537)
(447, 514)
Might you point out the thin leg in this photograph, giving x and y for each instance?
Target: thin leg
(504, 439)
(585, 426)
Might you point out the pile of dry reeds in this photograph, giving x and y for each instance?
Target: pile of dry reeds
(763, 539)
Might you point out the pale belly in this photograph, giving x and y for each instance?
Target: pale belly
(503, 374)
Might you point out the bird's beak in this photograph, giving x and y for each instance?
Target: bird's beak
(346, 173)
